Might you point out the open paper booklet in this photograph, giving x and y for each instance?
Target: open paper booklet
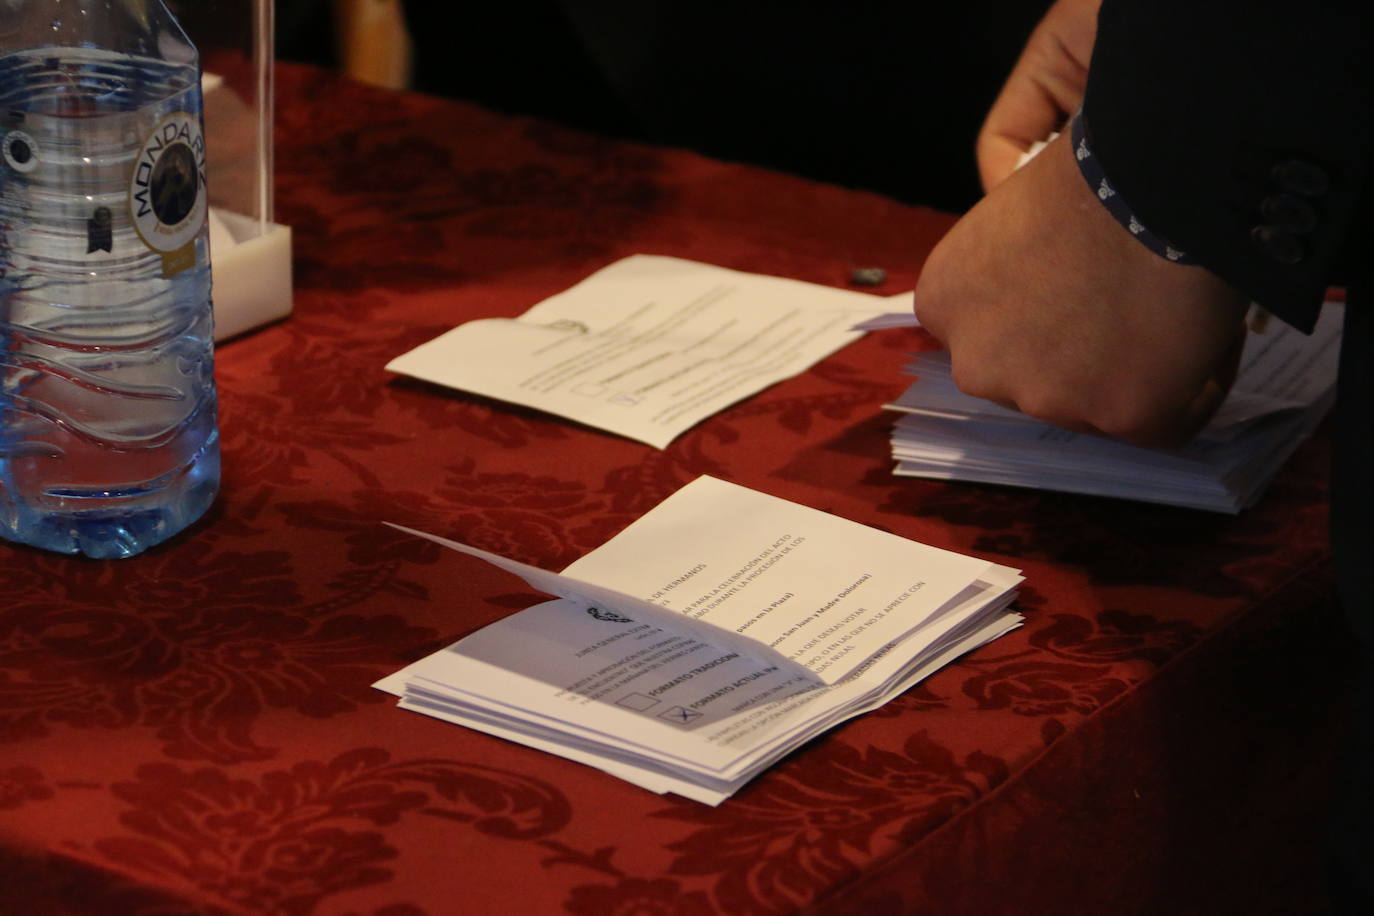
(648, 346)
(1286, 384)
(716, 633)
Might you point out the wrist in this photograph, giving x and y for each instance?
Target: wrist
(1091, 169)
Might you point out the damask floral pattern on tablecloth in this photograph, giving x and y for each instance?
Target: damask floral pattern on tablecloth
(194, 731)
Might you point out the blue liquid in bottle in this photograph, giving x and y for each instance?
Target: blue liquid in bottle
(108, 436)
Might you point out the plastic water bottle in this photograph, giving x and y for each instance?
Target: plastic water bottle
(108, 437)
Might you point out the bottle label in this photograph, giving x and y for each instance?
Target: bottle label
(167, 192)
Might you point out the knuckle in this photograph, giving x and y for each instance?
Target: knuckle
(973, 381)
(1047, 407)
(1143, 424)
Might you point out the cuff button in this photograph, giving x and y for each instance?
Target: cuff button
(1289, 212)
(1280, 246)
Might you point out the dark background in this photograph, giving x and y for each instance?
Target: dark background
(886, 96)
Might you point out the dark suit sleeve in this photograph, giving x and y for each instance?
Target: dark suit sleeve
(1241, 132)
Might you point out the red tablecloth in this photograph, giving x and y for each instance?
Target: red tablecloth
(193, 731)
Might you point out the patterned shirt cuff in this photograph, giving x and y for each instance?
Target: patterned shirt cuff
(1092, 172)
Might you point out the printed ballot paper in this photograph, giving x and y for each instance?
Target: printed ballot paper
(1285, 385)
(718, 632)
(648, 346)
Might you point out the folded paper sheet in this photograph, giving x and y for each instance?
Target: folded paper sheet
(649, 346)
(712, 636)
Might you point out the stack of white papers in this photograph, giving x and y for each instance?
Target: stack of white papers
(1286, 384)
(648, 346)
(712, 636)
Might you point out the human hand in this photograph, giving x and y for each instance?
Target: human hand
(1045, 87)
(1049, 306)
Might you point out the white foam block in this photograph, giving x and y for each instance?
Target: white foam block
(252, 276)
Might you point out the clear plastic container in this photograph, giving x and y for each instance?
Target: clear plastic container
(251, 252)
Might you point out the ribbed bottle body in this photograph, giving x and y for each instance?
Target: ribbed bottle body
(108, 436)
